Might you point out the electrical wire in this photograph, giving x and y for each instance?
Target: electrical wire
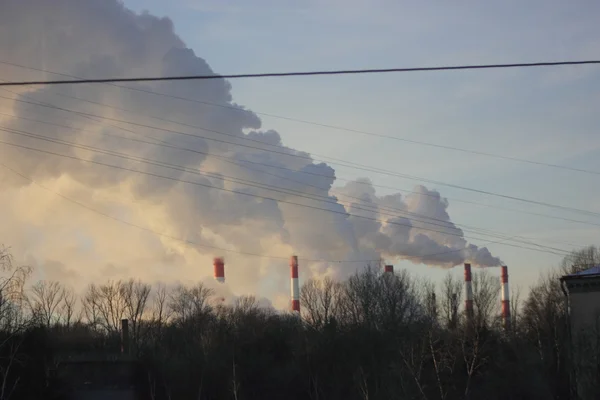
(303, 121)
(320, 198)
(323, 199)
(374, 208)
(342, 163)
(158, 142)
(256, 196)
(298, 73)
(304, 183)
(216, 247)
(392, 137)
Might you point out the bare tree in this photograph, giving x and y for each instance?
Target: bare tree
(426, 295)
(544, 322)
(8, 385)
(320, 300)
(67, 307)
(515, 307)
(362, 381)
(398, 299)
(450, 300)
(235, 383)
(486, 304)
(90, 306)
(585, 359)
(246, 304)
(359, 301)
(414, 358)
(580, 260)
(186, 303)
(160, 312)
(153, 338)
(44, 302)
(104, 305)
(12, 292)
(135, 297)
(444, 358)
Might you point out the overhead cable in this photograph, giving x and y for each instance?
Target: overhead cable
(297, 73)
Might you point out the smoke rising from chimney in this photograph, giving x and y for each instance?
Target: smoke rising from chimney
(101, 38)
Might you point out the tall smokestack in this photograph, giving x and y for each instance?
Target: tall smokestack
(505, 297)
(294, 283)
(468, 292)
(219, 266)
(389, 269)
(124, 336)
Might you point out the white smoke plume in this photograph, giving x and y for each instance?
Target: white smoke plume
(101, 38)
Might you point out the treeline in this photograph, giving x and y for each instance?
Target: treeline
(374, 336)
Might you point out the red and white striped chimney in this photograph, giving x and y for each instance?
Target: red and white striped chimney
(294, 284)
(505, 297)
(219, 266)
(468, 291)
(388, 269)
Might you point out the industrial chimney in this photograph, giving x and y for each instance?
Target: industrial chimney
(219, 266)
(389, 269)
(468, 292)
(125, 336)
(294, 284)
(505, 298)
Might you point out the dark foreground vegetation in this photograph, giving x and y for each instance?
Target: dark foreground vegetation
(372, 337)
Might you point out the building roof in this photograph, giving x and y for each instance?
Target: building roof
(593, 272)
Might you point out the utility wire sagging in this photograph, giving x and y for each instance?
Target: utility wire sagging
(340, 163)
(305, 73)
(294, 119)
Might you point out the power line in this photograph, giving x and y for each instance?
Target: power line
(221, 158)
(135, 225)
(374, 207)
(277, 189)
(227, 159)
(323, 125)
(303, 73)
(254, 195)
(237, 163)
(487, 243)
(215, 247)
(342, 163)
(327, 199)
(184, 169)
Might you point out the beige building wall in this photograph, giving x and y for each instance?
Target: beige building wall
(584, 320)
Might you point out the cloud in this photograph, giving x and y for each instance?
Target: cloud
(102, 38)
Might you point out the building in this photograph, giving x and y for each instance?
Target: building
(99, 376)
(582, 293)
(108, 375)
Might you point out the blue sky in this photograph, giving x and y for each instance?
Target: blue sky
(545, 114)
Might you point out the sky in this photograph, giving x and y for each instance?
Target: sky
(539, 114)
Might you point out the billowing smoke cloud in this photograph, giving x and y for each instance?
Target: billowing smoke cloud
(421, 232)
(99, 38)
